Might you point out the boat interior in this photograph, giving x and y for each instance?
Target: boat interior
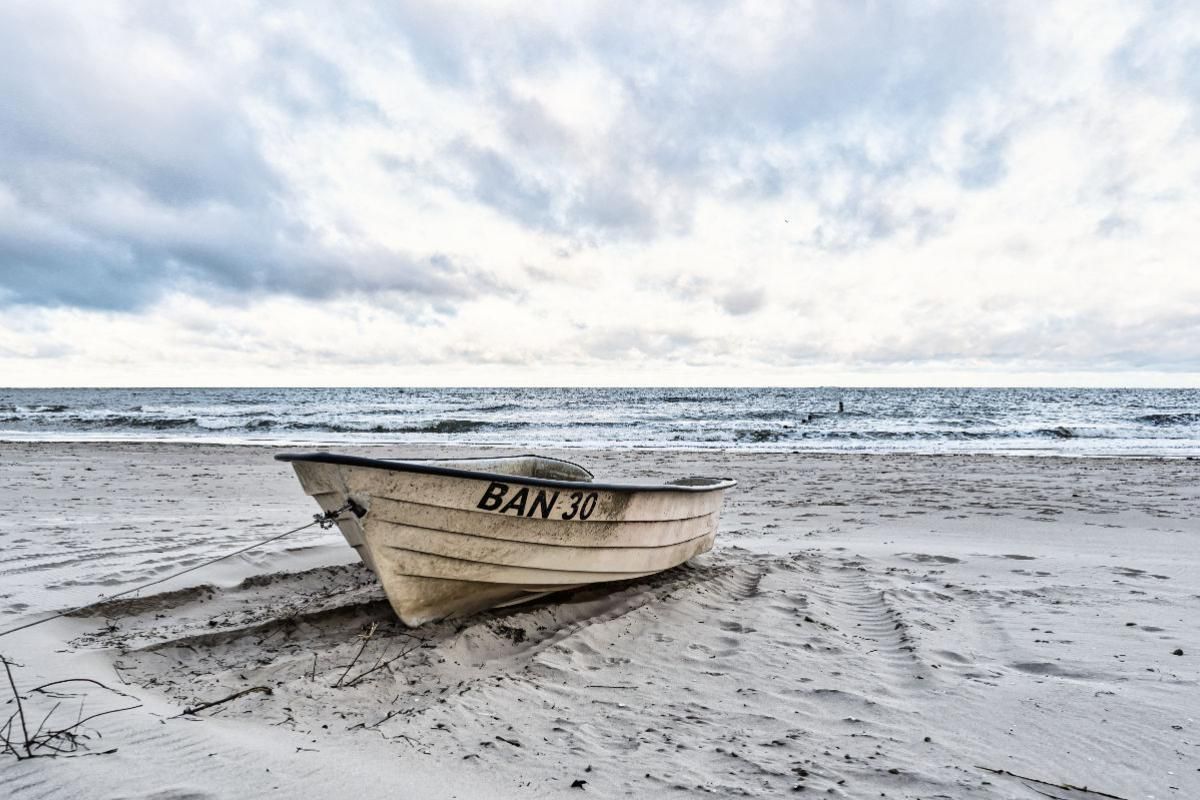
(524, 466)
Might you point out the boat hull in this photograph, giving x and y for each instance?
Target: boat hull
(452, 544)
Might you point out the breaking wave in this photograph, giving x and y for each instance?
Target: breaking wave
(1163, 420)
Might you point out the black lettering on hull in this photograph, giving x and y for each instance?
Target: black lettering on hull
(493, 496)
(517, 503)
(542, 504)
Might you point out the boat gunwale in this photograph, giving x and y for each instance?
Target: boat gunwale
(427, 468)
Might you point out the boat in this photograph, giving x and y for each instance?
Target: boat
(452, 537)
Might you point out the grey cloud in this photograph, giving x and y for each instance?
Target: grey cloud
(281, 62)
(531, 129)
(435, 42)
(902, 65)
(497, 182)
(1116, 225)
(100, 263)
(742, 301)
(608, 203)
(1162, 64)
(71, 113)
(307, 83)
(564, 203)
(861, 220)
(462, 45)
(987, 165)
(1034, 337)
(697, 116)
(622, 343)
(121, 179)
(686, 287)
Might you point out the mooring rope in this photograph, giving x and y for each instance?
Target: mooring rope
(325, 520)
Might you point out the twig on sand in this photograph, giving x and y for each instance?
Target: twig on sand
(608, 686)
(193, 710)
(42, 689)
(380, 665)
(388, 716)
(20, 710)
(54, 741)
(362, 647)
(376, 724)
(1069, 787)
(408, 739)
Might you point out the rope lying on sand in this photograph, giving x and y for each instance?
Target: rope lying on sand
(325, 520)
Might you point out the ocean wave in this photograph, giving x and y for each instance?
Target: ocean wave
(49, 408)
(775, 413)
(1163, 420)
(759, 435)
(453, 426)
(445, 426)
(494, 408)
(154, 423)
(673, 399)
(810, 434)
(1060, 432)
(904, 436)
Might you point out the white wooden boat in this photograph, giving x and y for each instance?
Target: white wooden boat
(448, 538)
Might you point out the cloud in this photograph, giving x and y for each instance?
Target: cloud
(742, 301)
(681, 101)
(550, 190)
(128, 172)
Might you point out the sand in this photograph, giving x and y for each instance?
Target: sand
(867, 626)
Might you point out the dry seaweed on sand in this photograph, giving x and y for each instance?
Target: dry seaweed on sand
(51, 738)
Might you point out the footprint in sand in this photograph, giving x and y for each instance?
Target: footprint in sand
(1050, 670)
(735, 627)
(925, 558)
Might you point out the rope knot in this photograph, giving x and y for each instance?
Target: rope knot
(329, 518)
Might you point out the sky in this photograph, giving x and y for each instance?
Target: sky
(701, 193)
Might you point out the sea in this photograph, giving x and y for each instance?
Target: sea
(1075, 422)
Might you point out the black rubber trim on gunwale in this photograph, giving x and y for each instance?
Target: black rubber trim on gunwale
(429, 469)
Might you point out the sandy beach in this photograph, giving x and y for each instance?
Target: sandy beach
(868, 625)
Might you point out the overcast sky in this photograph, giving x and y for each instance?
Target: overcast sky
(642, 193)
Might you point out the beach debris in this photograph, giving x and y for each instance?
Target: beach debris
(578, 783)
(48, 741)
(381, 664)
(193, 710)
(511, 632)
(365, 641)
(1178, 651)
(1067, 786)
